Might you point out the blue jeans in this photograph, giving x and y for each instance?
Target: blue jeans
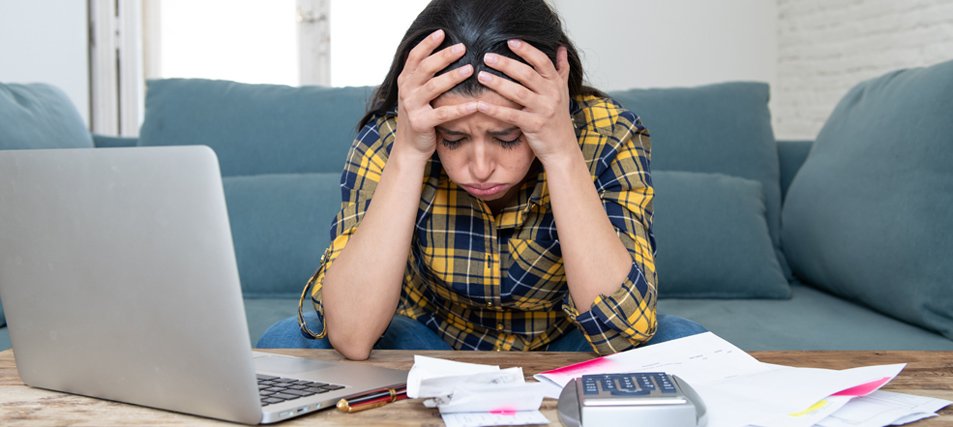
(405, 333)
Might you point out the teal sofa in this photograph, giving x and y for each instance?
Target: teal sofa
(830, 244)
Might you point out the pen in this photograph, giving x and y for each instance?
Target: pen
(374, 399)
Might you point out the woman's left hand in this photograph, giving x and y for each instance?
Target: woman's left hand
(543, 92)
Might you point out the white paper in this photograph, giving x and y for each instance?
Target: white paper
(798, 389)
(699, 359)
(831, 404)
(807, 417)
(456, 387)
(431, 367)
(883, 408)
(507, 419)
(444, 386)
(736, 388)
(912, 418)
(497, 398)
(551, 390)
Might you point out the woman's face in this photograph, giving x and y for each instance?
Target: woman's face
(486, 157)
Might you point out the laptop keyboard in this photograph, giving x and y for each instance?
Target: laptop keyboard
(277, 389)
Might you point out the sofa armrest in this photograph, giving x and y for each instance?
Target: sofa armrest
(792, 155)
(103, 141)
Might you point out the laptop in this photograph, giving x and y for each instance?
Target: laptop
(119, 281)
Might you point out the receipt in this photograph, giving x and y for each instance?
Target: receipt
(432, 368)
(504, 419)
(471, 394)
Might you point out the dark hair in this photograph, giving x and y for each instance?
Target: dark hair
(483, 26)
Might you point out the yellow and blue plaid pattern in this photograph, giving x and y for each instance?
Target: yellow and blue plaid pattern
(483, 281)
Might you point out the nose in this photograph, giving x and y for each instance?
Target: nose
(482, 162)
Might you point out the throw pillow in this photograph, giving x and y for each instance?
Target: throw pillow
(713, 239)
(256, 128)
(869, 214)
(722, 128)
(39, 116)
(280, 227)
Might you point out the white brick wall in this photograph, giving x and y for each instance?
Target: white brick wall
(825, 47)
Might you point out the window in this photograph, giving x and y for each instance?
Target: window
(290, 42)
(250, 41)
(278, 41)
(364, 37)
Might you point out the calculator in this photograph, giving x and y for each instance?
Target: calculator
(632, 400)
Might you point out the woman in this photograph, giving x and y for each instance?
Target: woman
(532, 229)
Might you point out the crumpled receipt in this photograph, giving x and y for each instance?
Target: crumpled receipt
(457, 387)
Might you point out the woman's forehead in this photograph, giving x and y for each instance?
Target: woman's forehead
(476, 121)
(489, 96)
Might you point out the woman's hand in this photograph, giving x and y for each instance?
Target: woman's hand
(417, 87)
(542, 90)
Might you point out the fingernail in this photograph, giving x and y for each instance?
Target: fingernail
(484, 77)
(489, 58)
(436, 34)
(514, 43)
(481, 106)
(457, 48)
(465, 70)
(471, 107)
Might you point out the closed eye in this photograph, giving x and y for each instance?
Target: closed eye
(451, 144)
(509, 143)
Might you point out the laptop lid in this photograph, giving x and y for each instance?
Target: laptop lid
(118, 277)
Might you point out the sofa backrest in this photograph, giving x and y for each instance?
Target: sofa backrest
(791, 154)
(868, 215)
(281, 151)
(38, 115)
(256, 128)
(715, 131)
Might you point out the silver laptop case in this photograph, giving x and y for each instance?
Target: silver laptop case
(119, 281)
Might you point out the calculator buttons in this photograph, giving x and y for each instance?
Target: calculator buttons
(655, 386)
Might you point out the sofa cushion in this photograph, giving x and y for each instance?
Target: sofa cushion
(721, 128)
(810, 320)
(39, 116)
(868, 216)
(280, 227)
(261, 313)
(713, 239)
(255, 129)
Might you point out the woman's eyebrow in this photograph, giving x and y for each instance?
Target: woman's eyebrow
(504, 132)
(446, 131)
(493, 133)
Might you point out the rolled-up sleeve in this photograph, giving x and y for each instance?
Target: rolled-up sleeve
(627, 317)
(361, 174)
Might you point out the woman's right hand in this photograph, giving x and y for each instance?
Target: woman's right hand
(417, 88)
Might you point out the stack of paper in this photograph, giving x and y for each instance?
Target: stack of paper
(741, 391)
(473, 395)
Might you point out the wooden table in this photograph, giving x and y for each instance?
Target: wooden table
(927, 374)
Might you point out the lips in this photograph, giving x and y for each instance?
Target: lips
(484, 190)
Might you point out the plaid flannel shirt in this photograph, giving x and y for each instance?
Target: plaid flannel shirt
(496, 282)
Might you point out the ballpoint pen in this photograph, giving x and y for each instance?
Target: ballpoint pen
(374, 399)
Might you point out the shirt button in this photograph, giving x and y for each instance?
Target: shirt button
(499, 326)
(489, 304)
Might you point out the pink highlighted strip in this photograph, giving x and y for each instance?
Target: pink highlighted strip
(864, 389)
